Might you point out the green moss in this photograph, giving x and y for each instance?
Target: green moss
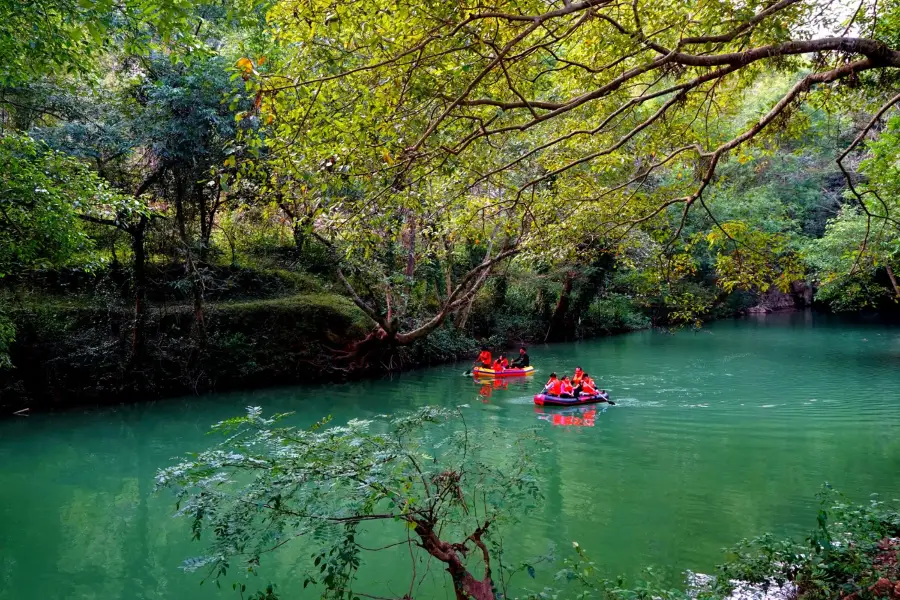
(309, 313)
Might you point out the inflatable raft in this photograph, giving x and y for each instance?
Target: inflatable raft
(547, 400)
(482, 372)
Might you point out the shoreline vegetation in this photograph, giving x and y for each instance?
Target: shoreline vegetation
(269, 327)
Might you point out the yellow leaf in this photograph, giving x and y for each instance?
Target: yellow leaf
(387, 157)
(245, 65)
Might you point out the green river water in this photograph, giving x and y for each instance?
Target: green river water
(717, 435)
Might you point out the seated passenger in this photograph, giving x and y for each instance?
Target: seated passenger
(553, 386)
(566, 390)
(576, 379)
(498, 366)
(523, 360)
(504, 362)
(587, 386)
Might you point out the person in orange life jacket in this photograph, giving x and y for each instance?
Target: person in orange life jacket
(498, 366)
(523, 360)
(576, 381)
(553, 386)
(579, 374)
(566, 390)
(504, 362)
(587, 386)
(485, 357)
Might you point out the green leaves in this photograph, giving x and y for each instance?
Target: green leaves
(42, 196)
(269, 484)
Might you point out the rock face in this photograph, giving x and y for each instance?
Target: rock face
(798, 297)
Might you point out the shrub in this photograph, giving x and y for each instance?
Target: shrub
(613, 314)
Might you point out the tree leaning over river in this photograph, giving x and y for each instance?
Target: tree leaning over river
(536, 126)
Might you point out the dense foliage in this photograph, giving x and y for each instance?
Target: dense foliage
(511, 171)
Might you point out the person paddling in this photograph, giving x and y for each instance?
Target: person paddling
(484, 358)
(587, 386)
(522, 361)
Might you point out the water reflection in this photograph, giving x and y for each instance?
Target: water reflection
(579, 416)
(489, 385)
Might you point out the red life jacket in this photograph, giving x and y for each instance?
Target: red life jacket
(553, 387)
(485, 358)
(505, 363)
(566, 387)
(498, 366)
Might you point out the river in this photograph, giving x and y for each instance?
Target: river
(717, 435)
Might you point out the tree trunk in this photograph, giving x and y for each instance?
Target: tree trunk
(299, 237)
(411, 256)
(205, 226)
(463, 317)
(893, 278)
(465, 585)
(190, 267)
(556, 331)
(140, 291)
(386, 332)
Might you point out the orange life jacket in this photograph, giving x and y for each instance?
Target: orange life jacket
(505, 363)
(498, 366)
(566, 387)
(588, 388)
(485, 358)
(577, 377)
(553, 387)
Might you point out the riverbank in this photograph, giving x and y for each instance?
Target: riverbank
(75, 334)
(67, 355)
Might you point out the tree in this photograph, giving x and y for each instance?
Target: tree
(267, 486)
(42, 194)
(864, 239)
(607, 117)
(58, 37)
(848, 259)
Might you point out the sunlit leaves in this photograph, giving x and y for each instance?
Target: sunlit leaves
(754, 260)
(41, 196)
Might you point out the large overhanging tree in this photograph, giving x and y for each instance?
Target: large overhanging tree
(561, 120)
